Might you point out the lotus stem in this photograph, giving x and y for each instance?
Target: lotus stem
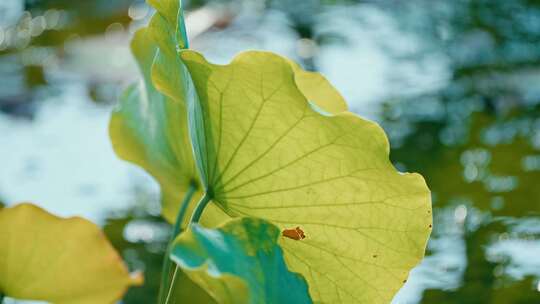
(166, 268)
(200, 207)
(194, 219)
(171, 288)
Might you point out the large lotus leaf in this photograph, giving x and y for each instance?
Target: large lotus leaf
(240, 262)
(265, 151)
(44, 257)
(149, 128)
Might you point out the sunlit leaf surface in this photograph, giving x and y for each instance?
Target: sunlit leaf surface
(267, 152)
(44, 257)
(239, 262)
(318, 90)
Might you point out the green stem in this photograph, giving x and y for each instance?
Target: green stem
(1, 298)
(167, 264)
(200, 207)
(194, 219)
(183, 209)
(171, 288)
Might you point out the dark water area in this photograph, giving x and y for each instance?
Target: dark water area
(455, 84)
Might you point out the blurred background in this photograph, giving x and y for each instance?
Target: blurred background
(455, 84)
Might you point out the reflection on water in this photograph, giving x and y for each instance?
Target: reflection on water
(454, 84)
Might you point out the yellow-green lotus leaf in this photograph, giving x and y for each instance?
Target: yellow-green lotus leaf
(264, 150)
(62, 261)
(149, 128)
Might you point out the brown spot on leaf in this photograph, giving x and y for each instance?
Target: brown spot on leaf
(295, 234)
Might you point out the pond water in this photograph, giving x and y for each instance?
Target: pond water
(456, 87)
